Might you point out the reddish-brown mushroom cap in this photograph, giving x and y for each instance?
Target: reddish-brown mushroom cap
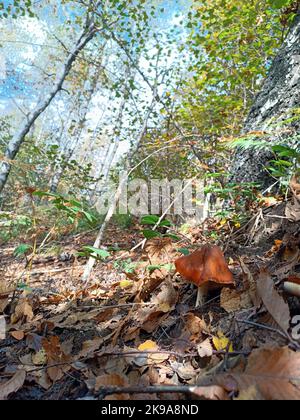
(206, 265)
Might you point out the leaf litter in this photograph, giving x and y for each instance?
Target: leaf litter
(140, 328)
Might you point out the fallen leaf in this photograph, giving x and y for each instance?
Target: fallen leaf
(23, 309)
(18, 335)
(40, 358)
(110, 380)
(125, 284)
(232, 300)
(205, 349)
(251, 283)
(222, 343)
(90, 346)
(3, 303)
(148, 345)
(212, 393)
(194, 324)
(34, 342)
(274, 372)
(13, 385)
(273, 302)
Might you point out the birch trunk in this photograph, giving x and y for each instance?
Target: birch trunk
(18, 139)
(77, 133)
(113, 207)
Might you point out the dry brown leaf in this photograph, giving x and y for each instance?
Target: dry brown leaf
(3, 303)
(58, 362)
(114, 380)
(110, 380)
(232, 300)
(43, 380)
(158, 250)
(167, 297)
(251, 285)
(90, 346)
(150, 285)
(153, 321)
(18, 335)
(205, 349)
(212, 393)
(274, 372)
(23, 309)
(194, 324)
(273, 302)
(13, 385)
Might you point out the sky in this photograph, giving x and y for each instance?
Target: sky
(17, 51)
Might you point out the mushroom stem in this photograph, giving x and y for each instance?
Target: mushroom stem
(292, 288)
(201, 295)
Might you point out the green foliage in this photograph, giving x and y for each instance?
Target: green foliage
(168, 267)
(22, 250)
(124, 221)
(14, 9)
(286, 162)
(74, 209)
(233, 42)
(13, 225)
(90, 251)
(184, 251)
(126, 266)
(153, 220)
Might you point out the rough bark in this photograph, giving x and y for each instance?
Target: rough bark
(18, 139)
(279, 96)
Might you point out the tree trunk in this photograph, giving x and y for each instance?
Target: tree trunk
(18, 139)
(77, 133)
(279, 96)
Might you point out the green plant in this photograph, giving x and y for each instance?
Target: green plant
(74, 209)
(126, 266)
(22, 250)
(152, 220)
(124, 221)
(91, 252)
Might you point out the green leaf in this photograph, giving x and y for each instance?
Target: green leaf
(279, 4)
(95, 252)
(172, 236)
(184, 251)
(150, 220)
(150, 234)
(22, 249)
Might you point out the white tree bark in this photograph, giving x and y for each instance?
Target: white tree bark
(114, 204)
(76, 135)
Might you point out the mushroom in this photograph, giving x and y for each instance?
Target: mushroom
(204, 268)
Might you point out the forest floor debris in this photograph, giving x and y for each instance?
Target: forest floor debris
(136, 327)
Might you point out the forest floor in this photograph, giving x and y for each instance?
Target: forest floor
(135, 327)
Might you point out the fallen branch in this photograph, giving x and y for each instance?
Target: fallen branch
(148, 390)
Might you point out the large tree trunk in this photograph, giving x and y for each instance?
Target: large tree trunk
(18, 139)
(279, 96)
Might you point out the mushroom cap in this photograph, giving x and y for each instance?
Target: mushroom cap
(208, 264)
